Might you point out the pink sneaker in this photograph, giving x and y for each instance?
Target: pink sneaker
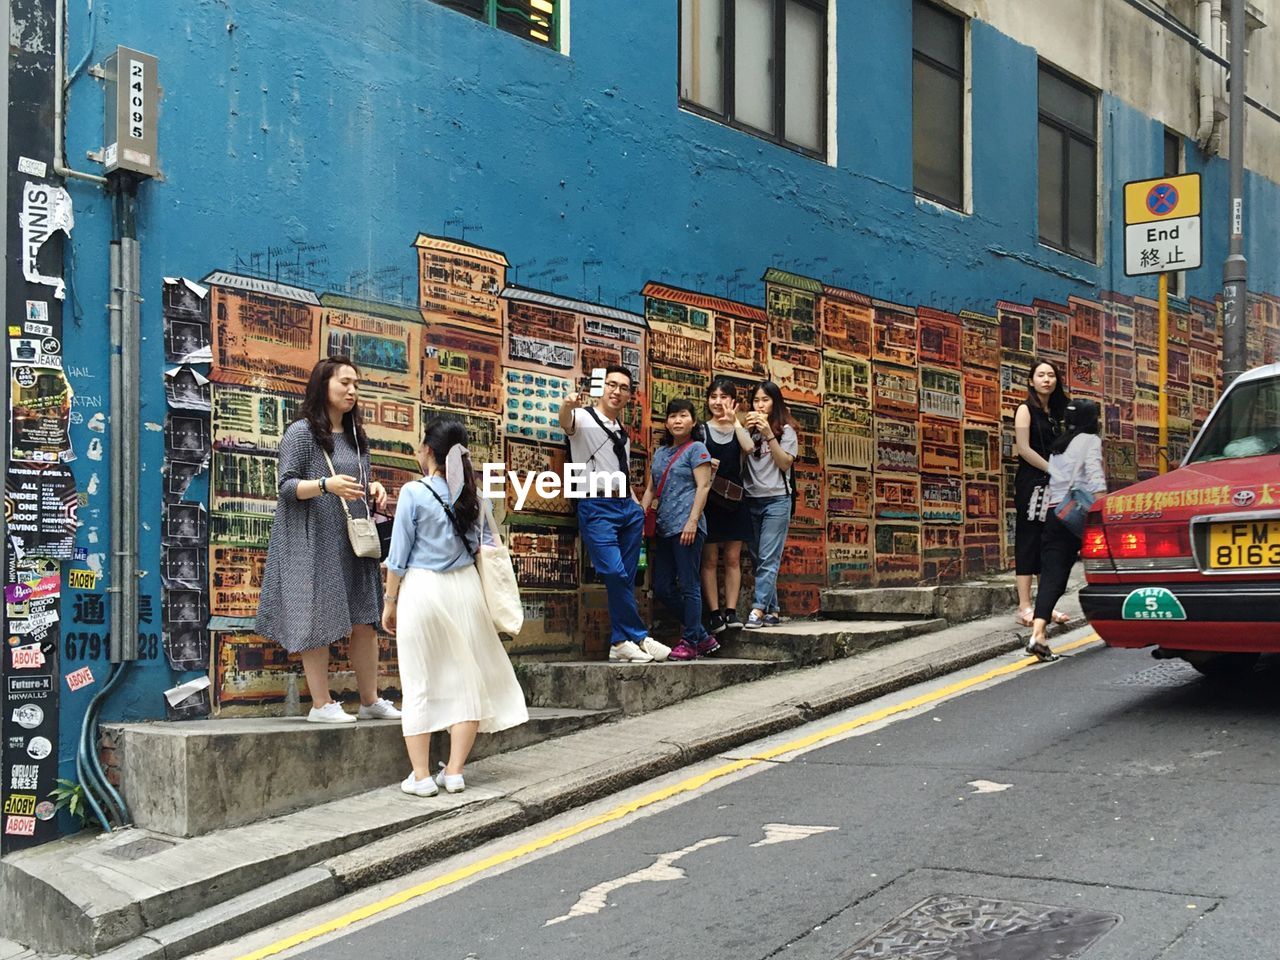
(684, 651)
(707, 645)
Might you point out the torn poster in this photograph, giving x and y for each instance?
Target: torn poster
(188, 701)
(187, 389)
(45, 210)
(186, 322)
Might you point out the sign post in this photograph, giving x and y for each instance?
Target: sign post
(1162, 232)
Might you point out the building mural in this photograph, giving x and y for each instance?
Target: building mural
(904, 414)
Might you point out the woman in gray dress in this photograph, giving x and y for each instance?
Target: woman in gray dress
(315, 590)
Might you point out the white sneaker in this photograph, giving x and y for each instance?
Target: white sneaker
(452, 782)
(628, 651)
(331, 712)
(426, 787)
(380, 709)
(656, 649)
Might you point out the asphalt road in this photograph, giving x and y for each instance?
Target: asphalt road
(1108, 804)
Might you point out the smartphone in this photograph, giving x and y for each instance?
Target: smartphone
(597, 382)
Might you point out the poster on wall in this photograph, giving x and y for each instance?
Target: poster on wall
(40, 407)
(29, 722)
(40, 505)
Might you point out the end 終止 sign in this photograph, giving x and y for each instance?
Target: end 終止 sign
(1162, 230)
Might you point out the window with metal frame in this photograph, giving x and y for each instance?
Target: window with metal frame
(1068, 165)
(759, 66)
(537, 21)
(937, 103)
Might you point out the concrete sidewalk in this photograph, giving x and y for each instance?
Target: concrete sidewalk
(139, 894)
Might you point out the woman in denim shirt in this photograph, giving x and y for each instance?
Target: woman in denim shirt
(679, 481)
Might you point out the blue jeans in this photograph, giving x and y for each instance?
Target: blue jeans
(612, 530)
(677, 582)
(770, 518)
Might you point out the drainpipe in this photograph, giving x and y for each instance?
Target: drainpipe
(1209, 29)
(1219, 41)
(59, 100)
(125, 336)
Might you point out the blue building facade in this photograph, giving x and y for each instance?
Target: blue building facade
(326, 158)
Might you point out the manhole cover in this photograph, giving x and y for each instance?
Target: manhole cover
(975, 928)
(1166, 673)
(140, 848)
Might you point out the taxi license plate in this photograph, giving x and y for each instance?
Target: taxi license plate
(1245, 545)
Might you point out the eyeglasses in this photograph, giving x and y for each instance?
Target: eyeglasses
(613, 385)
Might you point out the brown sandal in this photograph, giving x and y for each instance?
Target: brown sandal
(1025, 617)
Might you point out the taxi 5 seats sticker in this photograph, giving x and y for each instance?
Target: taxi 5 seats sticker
(1152, 603)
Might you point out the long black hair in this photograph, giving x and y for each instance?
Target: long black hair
(680, 405)
(439, 437)
(779, 415)
(315, 405)
(1081, 416)
(1057, 400)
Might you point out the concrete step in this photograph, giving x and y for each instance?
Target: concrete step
(189, 778)
(806, 642)
(954, 603)
(632, 688)
(167, 896)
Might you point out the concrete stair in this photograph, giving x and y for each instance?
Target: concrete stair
(631, 688)
(802, 643)
(954, 603)
(191, 778)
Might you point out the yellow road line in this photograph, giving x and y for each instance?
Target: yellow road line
(617, 813)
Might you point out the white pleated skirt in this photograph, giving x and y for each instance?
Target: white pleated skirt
(452, 664)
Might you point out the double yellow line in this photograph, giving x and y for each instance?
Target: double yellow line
(617, 813)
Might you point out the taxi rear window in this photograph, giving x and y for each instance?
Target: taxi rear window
(1247, 424)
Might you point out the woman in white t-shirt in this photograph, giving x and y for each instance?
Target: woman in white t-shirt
(768, 494)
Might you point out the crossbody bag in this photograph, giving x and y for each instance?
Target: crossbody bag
(651, 514)
(361, 531)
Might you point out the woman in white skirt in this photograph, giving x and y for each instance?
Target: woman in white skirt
(454, 673)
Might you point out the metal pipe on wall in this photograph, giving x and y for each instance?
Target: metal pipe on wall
(1235, 271)
(125, 401)
(60, 99)
(130, 409)
(115, 435)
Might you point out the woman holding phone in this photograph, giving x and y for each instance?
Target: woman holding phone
(775, 445)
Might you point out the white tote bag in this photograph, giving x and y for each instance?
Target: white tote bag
(498, 576)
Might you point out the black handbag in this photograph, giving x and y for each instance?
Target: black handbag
(385, 525)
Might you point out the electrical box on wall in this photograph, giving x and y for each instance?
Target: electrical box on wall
(132, 111)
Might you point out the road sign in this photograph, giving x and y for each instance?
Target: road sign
(1162, 229)
(1168, 198)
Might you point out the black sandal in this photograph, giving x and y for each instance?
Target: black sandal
(1042, 652)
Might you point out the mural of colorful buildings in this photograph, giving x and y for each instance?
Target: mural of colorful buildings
(904, 414)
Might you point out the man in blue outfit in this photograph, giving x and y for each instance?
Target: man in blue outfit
(610, 518)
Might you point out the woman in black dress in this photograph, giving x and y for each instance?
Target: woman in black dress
(1036, 424)
(728, 520)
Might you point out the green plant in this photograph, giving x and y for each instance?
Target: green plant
(70, 795)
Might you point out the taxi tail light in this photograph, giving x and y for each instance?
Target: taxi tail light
(1150, 541)
(1095, 545)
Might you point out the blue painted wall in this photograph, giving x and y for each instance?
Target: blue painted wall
(361, 125)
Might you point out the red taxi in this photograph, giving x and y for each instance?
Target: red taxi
(1190, 561)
